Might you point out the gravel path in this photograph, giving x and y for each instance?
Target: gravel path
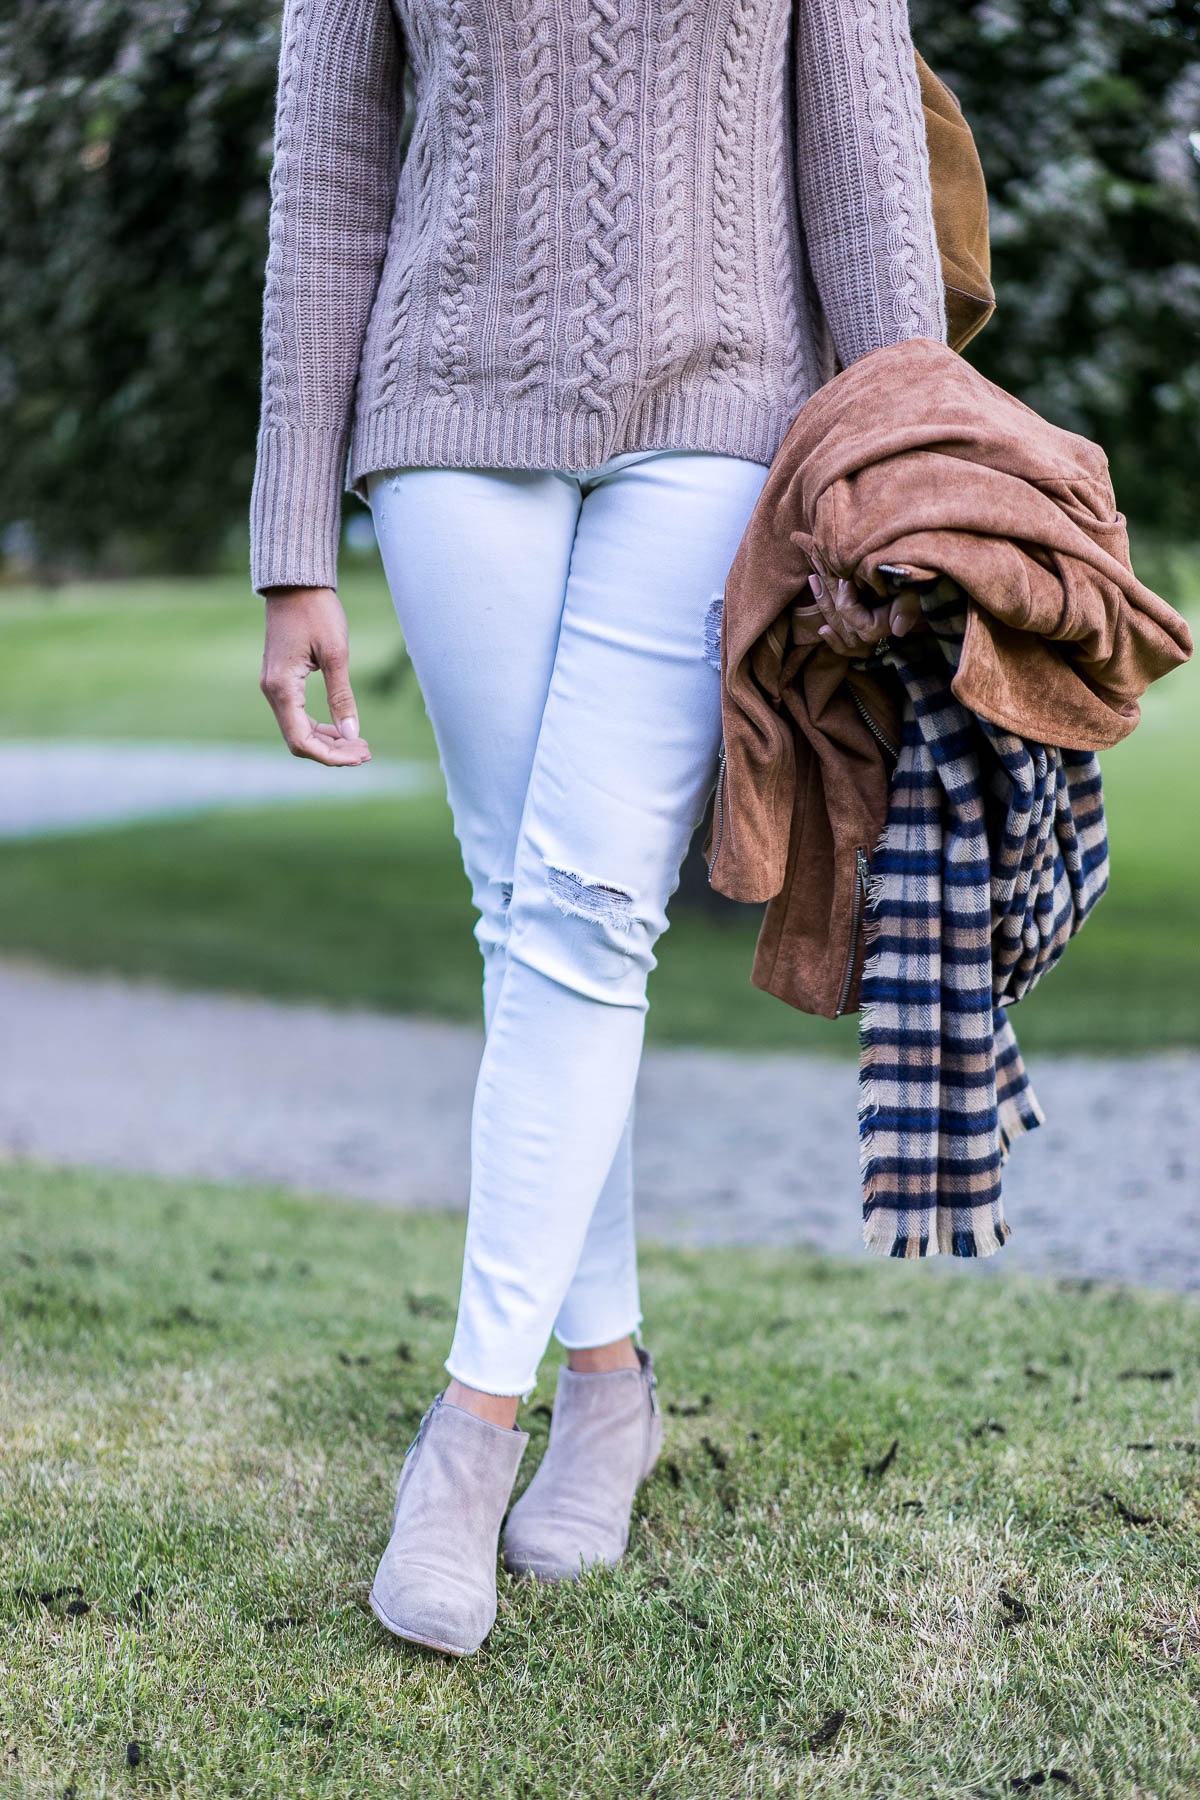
(57, 786)
(731, 1148)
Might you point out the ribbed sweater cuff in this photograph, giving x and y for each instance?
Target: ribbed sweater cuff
(296, 506)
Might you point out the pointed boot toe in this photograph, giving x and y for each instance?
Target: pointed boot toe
(436, 1581)
(605, 1438)
(429, 1604)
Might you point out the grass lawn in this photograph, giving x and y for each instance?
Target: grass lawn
(180, 659)
(367, 903)
(206, 1396)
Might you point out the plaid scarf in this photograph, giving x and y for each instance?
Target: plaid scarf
(993, 855)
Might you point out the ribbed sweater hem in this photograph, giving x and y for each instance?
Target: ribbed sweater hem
(458, 434)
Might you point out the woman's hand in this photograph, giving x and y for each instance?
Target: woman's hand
(307, 630)
(853, 626)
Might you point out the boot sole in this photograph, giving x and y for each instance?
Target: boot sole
(528, 1571)
(413, 1637)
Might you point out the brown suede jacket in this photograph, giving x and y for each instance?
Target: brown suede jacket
(909, 457)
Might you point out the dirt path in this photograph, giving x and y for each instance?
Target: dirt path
(731, 1148)
(56, 786)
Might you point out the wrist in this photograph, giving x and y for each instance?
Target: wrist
(294, 593)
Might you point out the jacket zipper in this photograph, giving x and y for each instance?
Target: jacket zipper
(861, 871)
(719, 822)
(877, 731)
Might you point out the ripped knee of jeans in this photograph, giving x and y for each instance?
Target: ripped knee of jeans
(581, 897)
(712, 631)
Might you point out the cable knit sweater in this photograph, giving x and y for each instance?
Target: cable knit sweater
(617, 225)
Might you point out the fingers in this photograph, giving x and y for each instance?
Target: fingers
(334, 663)
(906, 614)
(851, 628)
(833, 630)
(301, 733)
(305, 631)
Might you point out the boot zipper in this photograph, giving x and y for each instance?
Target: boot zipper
(877, 731)
(420, 1429)
(719, 820)
(861, 870)
(406, 1468)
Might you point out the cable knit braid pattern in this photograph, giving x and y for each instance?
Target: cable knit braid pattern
(600, 256)
(788, 264)
(617, 225)
(528, 349)
(887, 142)
(392, 327)
(459, 267)
(870, 250)
(730, 269)
(670, 337)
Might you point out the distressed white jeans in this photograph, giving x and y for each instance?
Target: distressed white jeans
(564, 630)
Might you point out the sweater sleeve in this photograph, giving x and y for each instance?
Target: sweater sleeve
(863, 175)
(338, 115)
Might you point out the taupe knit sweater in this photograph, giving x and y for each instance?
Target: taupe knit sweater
(593, 242)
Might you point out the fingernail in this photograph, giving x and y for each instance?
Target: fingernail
(815, 583)
(349, 728)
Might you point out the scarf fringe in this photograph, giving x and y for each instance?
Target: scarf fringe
(883, 1236)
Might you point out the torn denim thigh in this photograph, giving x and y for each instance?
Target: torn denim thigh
(584, 897)
(712, 631)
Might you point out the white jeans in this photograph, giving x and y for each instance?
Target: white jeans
(564, 630)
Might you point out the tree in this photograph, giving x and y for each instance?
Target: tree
(134, 154)
(1086, 115)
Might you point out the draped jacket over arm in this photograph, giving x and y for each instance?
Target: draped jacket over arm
(910, 457)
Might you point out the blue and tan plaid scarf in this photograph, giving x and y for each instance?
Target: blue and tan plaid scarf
(994, 854)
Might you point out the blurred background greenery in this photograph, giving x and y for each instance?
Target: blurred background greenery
(365, 901)
(135, 142)
(134, 153)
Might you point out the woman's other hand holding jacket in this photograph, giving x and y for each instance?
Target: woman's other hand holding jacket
(854, 624)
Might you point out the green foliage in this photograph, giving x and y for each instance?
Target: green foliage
(1082, 111)
(134, 155)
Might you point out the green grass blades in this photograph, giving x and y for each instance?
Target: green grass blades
(355, 903)
(918, 1530)
(181, 660)
(366, 903)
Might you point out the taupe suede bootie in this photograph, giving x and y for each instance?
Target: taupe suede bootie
(436, 1581)
(605, 1437)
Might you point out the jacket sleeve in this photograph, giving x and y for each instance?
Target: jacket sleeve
(338, 115)
(863, 175)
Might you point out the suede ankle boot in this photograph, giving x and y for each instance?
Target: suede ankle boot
(436, 1581)
(605, 1437)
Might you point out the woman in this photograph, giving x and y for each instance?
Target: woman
(555, 347)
